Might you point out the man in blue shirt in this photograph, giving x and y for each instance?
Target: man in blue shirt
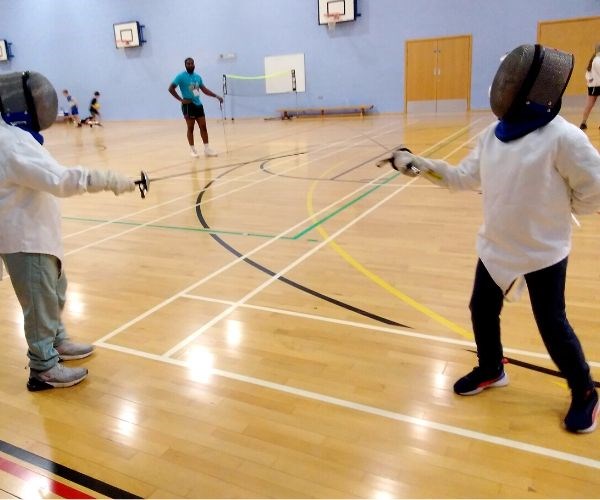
(190, 84)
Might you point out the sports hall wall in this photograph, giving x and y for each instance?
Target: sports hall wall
(361, 62)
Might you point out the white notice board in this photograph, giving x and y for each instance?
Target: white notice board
(278, 71)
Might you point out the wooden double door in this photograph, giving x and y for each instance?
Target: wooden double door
(578, 36)
(438, 74)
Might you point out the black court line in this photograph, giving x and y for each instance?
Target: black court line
(341, 174)
(334, 178)
(535, 368)
(219, 167)
(283, 279)
(67, 473)
(540, 369)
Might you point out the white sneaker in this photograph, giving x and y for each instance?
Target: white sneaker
(209, 152)
(194, 153)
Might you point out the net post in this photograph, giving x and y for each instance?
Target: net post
(224, 94)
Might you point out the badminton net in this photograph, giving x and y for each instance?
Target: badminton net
(251, 95)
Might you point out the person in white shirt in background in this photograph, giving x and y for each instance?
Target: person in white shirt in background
(30, 224)
(534, 170)
(592, 77)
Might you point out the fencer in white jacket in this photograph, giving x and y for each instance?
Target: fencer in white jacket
(31, 246)
(534, 170)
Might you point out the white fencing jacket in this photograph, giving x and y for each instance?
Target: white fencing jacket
(30, 181)
(530, 187)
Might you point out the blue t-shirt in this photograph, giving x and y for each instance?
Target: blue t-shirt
(189, 86)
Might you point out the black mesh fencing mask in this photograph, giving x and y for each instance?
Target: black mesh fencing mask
(28, 100)
(530, 81)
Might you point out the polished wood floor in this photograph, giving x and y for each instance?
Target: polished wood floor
(287, 320)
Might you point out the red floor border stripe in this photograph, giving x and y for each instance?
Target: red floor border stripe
(27, 475)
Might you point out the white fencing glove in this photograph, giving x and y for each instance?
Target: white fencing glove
(407, 169)
(412, 165)
(409, 164)
(107, 180)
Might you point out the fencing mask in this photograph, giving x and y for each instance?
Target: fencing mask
(527, 89)
(28, 100)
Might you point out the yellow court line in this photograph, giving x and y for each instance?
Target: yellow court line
(378, 280)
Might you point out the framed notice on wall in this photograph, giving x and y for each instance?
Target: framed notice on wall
(279, 75)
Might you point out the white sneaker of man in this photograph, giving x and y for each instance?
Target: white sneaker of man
(193, 152)
(208, 151)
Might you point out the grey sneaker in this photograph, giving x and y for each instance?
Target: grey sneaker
(71, 350)
(57, 376)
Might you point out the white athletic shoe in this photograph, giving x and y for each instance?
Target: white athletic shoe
(194, 153)
(209, 152)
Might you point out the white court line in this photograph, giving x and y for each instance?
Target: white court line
(518, 445)
(387, 129)
(238, 259)
(376, 328)
(289, 267)
(172, 200)
(207, 201)
(298, 261)
(158, 205)
(372, 410)
(302, 258)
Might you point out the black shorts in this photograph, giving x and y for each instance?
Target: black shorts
(191, 110)
(593, 90)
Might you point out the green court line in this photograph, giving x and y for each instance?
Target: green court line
(187, 228)
(344, 207)
(319, 222)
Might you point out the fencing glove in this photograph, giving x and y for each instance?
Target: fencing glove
(107, 180)
(412, 165)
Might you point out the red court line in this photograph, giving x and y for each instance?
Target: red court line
(28, 475)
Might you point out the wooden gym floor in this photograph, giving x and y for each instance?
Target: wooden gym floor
(286, 320)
